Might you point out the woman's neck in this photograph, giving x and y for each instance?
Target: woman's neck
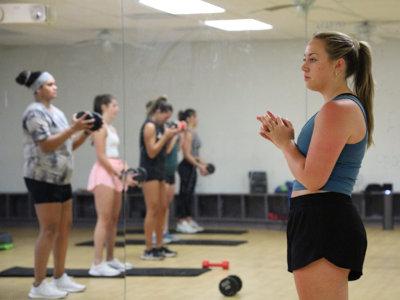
(333, 91)
(45, 102)
(107, 119)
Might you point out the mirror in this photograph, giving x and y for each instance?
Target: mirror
(80, 44)
(138, 53)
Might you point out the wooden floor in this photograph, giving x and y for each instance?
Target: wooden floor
(261, 264)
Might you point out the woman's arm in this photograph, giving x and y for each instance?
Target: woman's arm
(331, 132)
(171, 144)
(80, 139)
(153, 147)
(187, 153)
(99, 141)
(54, 141)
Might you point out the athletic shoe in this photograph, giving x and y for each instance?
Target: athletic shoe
(116, 264)
(166, 239)
(103, 269)
(153, 254)
(46, 290)
(184, 227)
(196, 226)
(167, 252)
(170, 237)
(65, 283)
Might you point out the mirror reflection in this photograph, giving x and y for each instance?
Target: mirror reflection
(62, 205)
(179, 94)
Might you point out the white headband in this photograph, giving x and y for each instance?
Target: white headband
(45, 76)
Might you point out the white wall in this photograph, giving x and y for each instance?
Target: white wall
(228, 83)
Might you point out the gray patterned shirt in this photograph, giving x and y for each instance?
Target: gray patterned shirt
(39, 123)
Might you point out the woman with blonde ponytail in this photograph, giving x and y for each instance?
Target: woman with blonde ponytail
(326, 238)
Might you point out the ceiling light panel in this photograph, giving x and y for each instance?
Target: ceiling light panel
(183, 7)
(238, 25)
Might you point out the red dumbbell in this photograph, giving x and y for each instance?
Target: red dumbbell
(224, 264)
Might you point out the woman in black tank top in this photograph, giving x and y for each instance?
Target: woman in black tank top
(153, 140)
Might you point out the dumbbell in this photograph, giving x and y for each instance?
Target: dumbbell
(98, 120)
(224, 264)
(210, 168)
(230, 285)
(181, 125)
(139, 174)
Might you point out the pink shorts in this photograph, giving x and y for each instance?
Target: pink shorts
(99, 175)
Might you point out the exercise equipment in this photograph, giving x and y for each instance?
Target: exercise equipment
(139, 174)
(210, 168)
(98, 119)
(170, 272)
(224, 264)
(6, 242)
(181, 125)
(230, 286)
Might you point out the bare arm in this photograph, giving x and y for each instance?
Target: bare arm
(331, 132)
(153, 147)
(171, 144)
(54, 141)
(80, 139)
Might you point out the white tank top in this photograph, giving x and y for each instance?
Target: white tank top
(112, 143)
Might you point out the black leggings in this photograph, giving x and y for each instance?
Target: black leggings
(188, 177)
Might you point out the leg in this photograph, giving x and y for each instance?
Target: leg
(170, 197)
(162, 208)
(61, 242)
(49, 215)
(321, 280)
(117, 203)
(184, 171)
(104, 198)
(151, 191)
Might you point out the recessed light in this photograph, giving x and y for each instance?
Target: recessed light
(238, 24)
(183, 7)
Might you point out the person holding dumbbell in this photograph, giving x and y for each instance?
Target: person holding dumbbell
(48, 144)
(171, 165)
(188, 174)
(154, 138)
(106, 184)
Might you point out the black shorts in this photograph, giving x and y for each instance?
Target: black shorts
(155, 174)
(326, 225)
(170, 178)
(44, 192)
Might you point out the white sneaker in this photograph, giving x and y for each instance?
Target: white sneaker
(196, 226)
(65, 283)
(116, 264)
(46, 290)
(184, 227)
(103, 269)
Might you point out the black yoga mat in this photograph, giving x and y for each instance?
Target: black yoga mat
(205, 231)
(175, 272)
(180, 242)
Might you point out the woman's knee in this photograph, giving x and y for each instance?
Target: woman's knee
(50, 230)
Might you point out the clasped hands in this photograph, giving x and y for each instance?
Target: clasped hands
(276, 129)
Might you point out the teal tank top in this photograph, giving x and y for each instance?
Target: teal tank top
(345, 171)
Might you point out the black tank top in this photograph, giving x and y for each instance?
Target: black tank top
(156, 164)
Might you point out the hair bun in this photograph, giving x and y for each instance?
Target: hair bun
(23, 77)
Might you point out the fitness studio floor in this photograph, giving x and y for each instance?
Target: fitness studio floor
(260, 263)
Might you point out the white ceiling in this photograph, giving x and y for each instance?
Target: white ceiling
(75, 22)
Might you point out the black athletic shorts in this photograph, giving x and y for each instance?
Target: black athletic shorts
(326, 225)
(155, 174)
(170, 178)
(44, 192)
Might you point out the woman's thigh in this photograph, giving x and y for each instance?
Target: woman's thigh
(321, 280)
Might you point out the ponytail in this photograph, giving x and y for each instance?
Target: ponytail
(184, 115)
(364, 85)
